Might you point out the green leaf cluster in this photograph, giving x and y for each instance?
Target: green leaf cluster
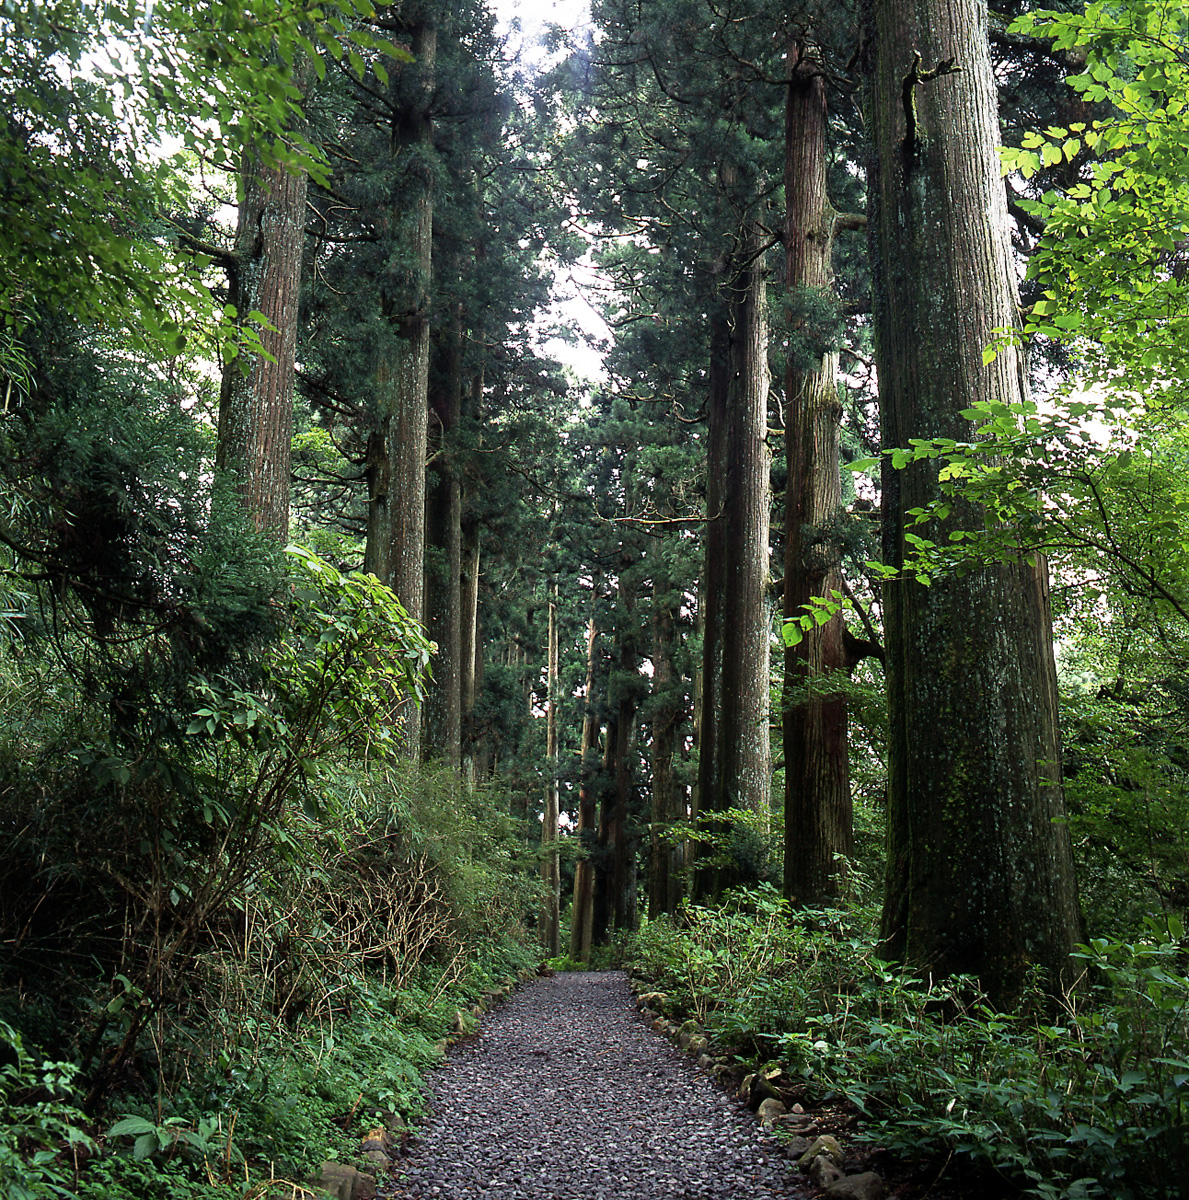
(1110, 265)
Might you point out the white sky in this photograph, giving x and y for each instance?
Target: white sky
(534, 15)
(568, 303)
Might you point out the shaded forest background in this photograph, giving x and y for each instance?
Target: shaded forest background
(824, 658)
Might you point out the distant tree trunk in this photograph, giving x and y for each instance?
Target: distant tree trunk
(980, 871)
(470, 645)
(256, 404)
(549, 928)
(443, 562)
(623, 860)
(711, 591)
(743, 751)
(582, 912)
(602, 906)
(377, 551)
(614, 906)
(402, 374)
(817, 799)
(662, 880)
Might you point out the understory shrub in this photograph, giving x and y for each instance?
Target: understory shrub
(229, 905)
(1092, 1101)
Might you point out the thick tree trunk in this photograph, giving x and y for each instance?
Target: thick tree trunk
(743, 751)
(582, 911)
(980, 873)
(549, 926)
(443, 561)
(817, 799)
(256, 404)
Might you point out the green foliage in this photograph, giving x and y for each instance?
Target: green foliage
(1111, 262)
(89, 91)
(37, 1120)
(745, 844)
(1090, 1100)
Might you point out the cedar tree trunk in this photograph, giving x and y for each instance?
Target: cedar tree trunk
(743, 751)
(980, 872)
(817, 800)
(256, 404)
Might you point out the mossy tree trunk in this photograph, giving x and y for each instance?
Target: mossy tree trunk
(470, 645)
(980, 872)
(663, 889)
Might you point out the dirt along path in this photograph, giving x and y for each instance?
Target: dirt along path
(566, 1093)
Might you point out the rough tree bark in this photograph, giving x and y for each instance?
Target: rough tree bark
(817, 799)
(743, 751)
(980, 872)
(442, 723)
(402, 373)
(615, 879)
(710, 592)
(256, 405)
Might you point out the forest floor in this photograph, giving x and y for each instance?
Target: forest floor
(565, 1093)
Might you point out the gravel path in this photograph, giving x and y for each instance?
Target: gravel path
(565, 1093)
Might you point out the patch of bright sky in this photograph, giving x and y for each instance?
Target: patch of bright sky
(524, 22)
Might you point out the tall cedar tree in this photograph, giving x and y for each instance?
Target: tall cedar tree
(681, 157)
(817, 797)
(980, 874)
(396, 519)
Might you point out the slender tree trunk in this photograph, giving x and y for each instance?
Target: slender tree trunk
(711, 591)
(377, 551)
(470, 646)
(443, 564)
(603, 907)
(549, 927)
(980, 872)
(622, 878)
(817, 799)
(744, 754)
(256, 404)
(614, 908)
(402, 374)
(665, 716)
(582, 911)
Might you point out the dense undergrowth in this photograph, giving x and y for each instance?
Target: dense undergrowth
(235, 922)
(1087, 1100)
